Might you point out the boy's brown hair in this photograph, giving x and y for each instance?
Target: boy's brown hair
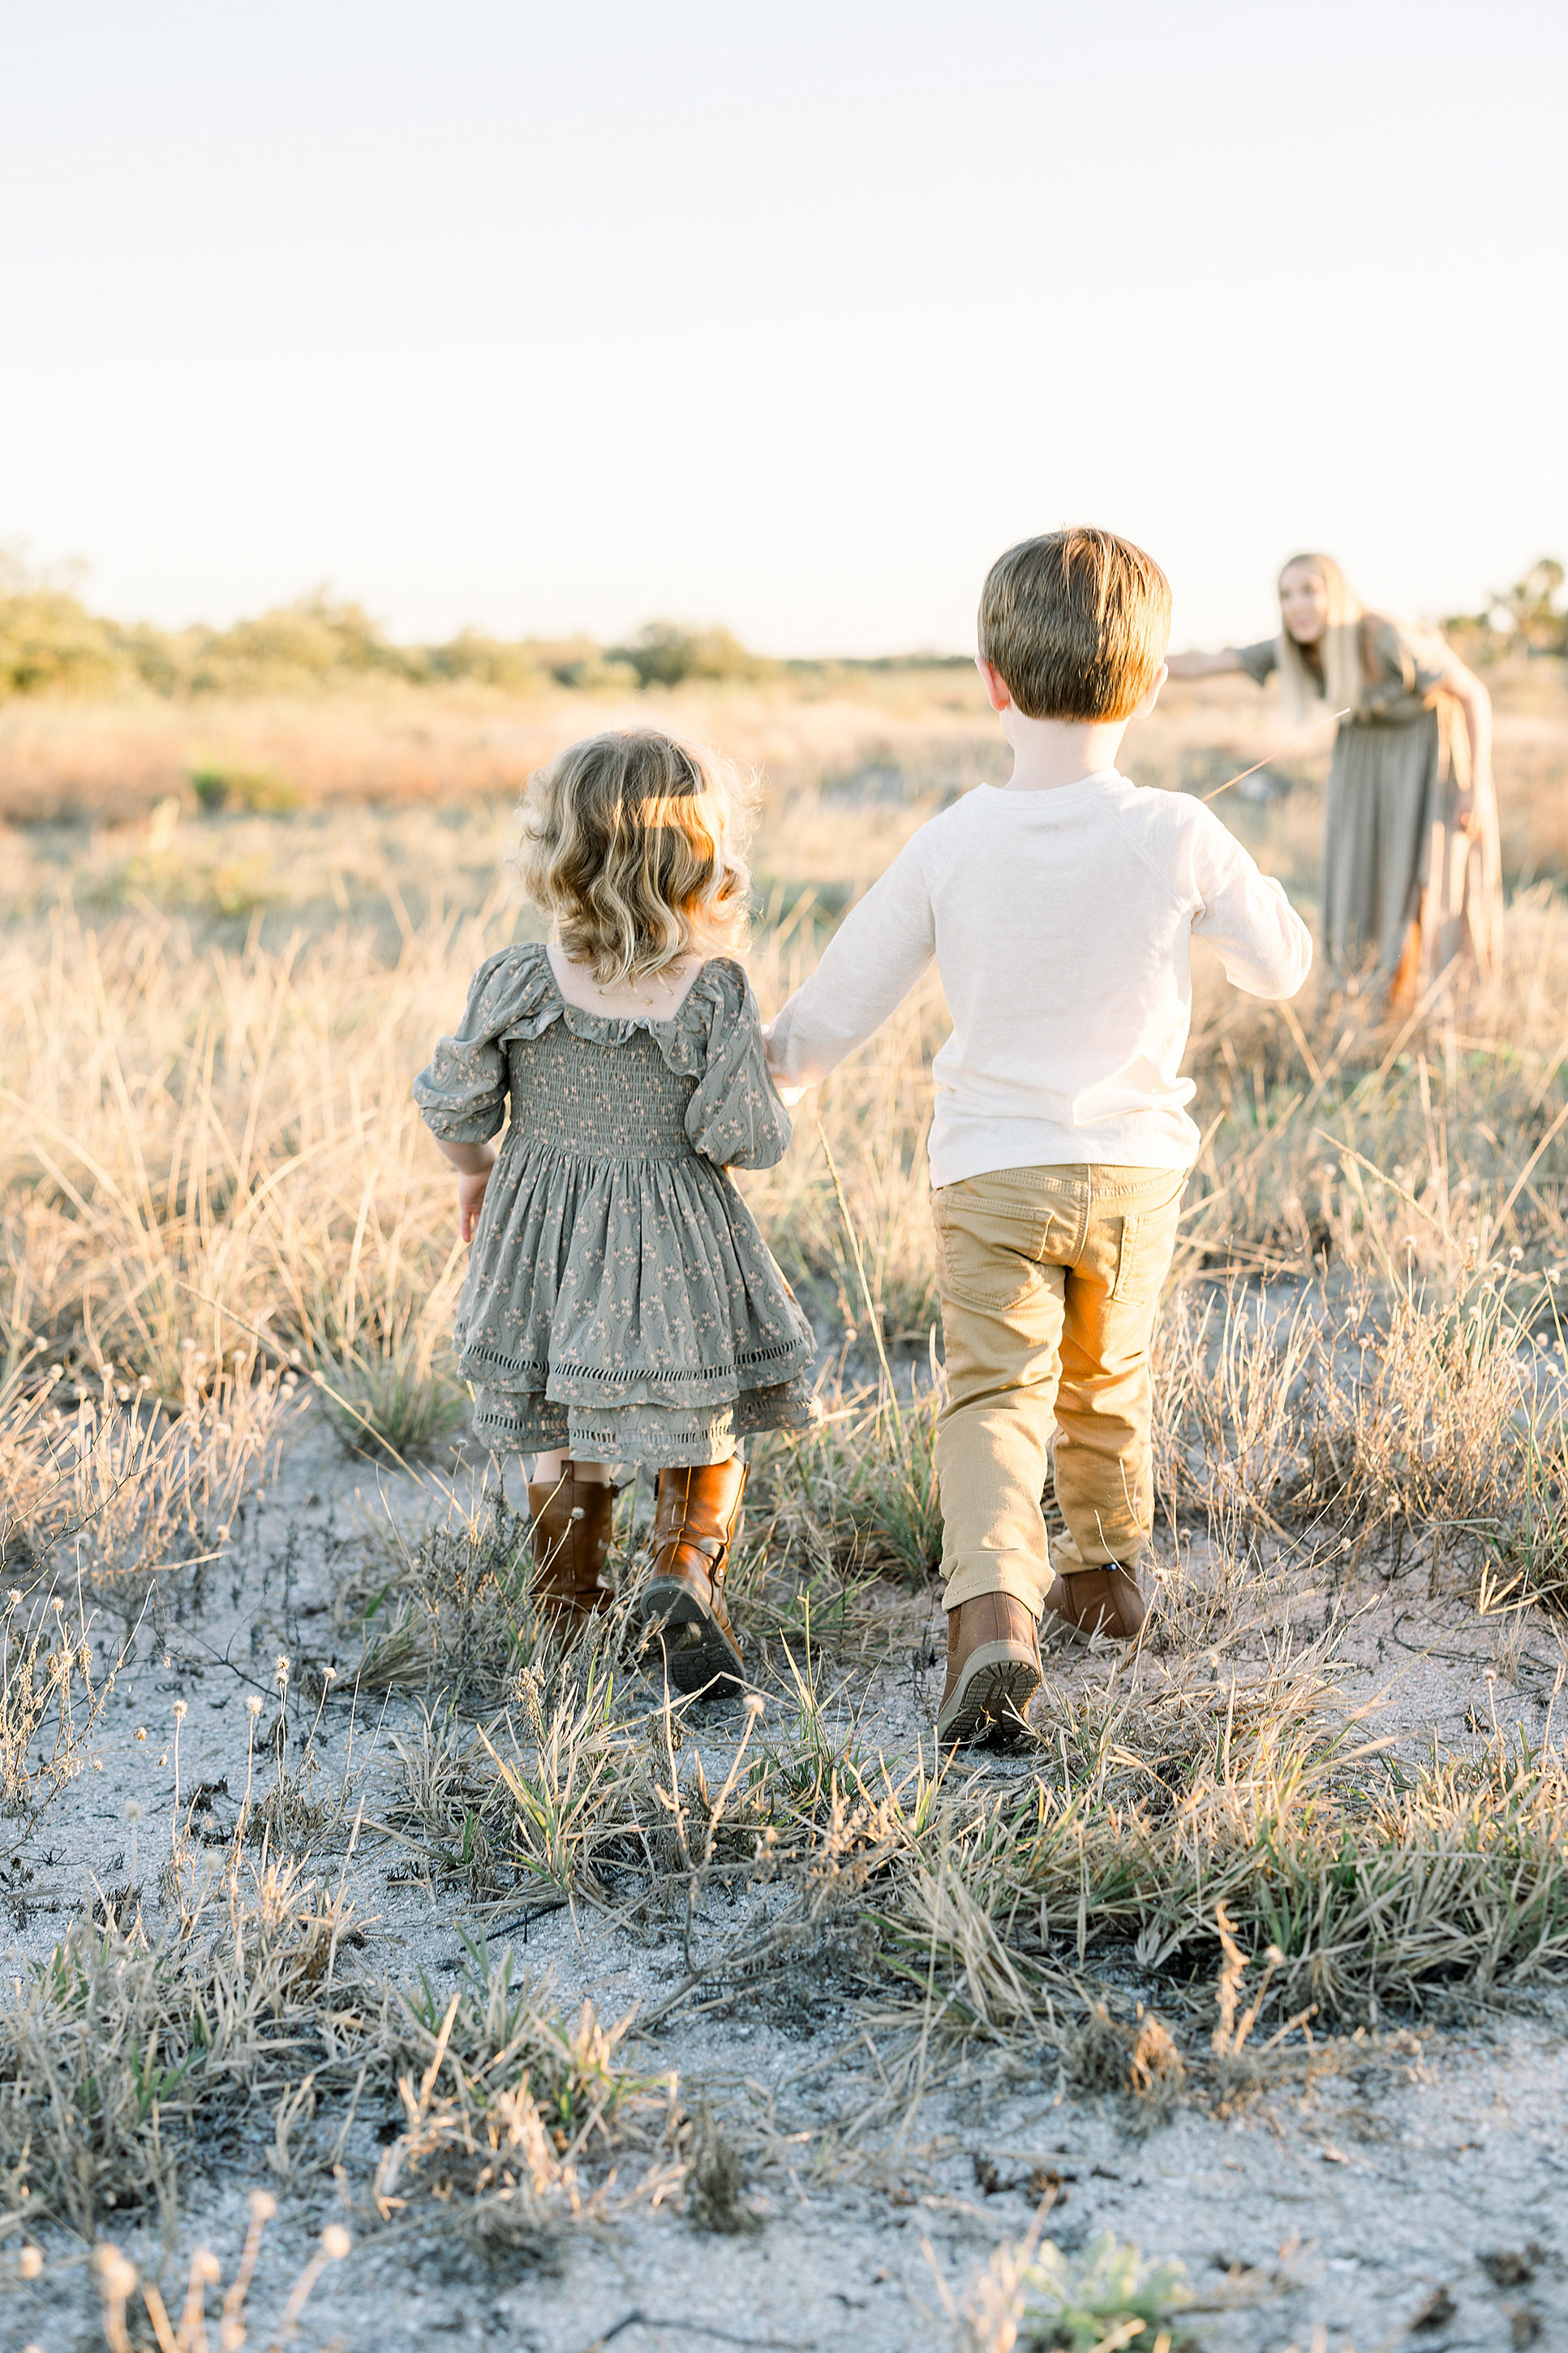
(1077, 623)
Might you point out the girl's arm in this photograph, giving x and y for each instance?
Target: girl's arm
(473, 1163)
(1477, 705)
(1203, 665)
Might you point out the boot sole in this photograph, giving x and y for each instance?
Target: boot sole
(698, 1657)
(993, 1697)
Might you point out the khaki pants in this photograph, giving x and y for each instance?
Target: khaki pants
(1049, 1278)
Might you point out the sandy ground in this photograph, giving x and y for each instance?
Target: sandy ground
(1366, 2202)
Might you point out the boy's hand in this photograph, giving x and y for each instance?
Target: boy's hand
(787, 1094)
(471, 1199)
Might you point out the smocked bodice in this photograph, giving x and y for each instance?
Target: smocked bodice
(594, 1101)
(605, 1087)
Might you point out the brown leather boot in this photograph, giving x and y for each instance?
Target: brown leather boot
(696, 1519)
(573, 1519)
(1103, 1600)
(993, 1671)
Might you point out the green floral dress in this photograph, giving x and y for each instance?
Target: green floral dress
(620, 1299)
(1393, 854)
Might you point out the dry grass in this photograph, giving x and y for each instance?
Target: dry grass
(127, 2064)
(390, 744)
(215, 1191)
(122, 2059)
(1181, 1812)
(186, 2331)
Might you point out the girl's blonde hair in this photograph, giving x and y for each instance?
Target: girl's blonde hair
(1342, 682)
(635, 843)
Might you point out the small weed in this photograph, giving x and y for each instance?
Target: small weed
(1037, 2297)
(260, 789)
(715, 2183)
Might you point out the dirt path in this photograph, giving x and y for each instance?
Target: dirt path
(1412, 2181)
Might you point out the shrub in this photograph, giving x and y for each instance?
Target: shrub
(664, 654)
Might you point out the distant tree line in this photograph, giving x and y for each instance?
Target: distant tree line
(50, 644)
(1529, 619)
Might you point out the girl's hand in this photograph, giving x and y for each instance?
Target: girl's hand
(471, 1199)
(473, 1163)
(1465, 813)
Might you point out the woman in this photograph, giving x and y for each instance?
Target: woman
(1412, 870)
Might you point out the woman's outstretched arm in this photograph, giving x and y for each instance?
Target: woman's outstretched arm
(1203, 665)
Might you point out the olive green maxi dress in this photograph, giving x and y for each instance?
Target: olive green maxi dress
(620, 1299)
(1392, 855)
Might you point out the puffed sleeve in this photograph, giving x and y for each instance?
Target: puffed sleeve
(1260, 662)
(461, 1091)
(734, 1117)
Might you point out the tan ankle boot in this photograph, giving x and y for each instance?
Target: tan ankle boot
(1102, 1599)
(696, 1519)
(993, 1671)
(574, 1521)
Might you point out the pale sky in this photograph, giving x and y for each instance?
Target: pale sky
(548, 317)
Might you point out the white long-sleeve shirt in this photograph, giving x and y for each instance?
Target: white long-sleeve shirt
(1061, 922)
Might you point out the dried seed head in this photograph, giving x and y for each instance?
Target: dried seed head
(205, 2267)
(181, 1711)
(140, 1732)
(56, 1603)
(329, 1674)
(14, 1599)
(755, 1703)
(133, 1810)
(263, 2205)
(335, 2241)
(254, 1703)
(32, 2263)
(282, 1669)
(116, 2276)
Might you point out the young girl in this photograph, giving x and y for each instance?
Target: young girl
(621, 1305)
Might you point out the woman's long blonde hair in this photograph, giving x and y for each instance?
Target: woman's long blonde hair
(1303, 693)
(635, 843)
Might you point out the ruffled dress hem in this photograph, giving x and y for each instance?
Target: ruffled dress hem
(527, 1423)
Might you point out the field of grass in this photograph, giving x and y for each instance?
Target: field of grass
(1244, 1862)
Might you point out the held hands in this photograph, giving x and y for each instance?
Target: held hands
(787, 1094)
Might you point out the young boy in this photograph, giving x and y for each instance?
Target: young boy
(1060, 909)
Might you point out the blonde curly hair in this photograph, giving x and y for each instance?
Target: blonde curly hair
(635, 843)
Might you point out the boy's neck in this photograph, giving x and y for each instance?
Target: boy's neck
(1048, 751)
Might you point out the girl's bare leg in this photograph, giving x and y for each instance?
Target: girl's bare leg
(549, 1470)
